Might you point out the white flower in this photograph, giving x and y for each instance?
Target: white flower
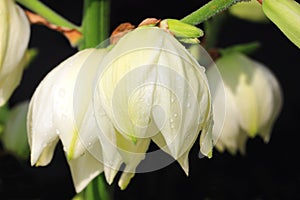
(253, 101)
(14, 38)
(151, 88)
(107, 106)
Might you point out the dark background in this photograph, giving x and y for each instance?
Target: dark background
(267, 171)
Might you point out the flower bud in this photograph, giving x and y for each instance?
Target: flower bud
(14, 38)
(253, 101)
(286, 15)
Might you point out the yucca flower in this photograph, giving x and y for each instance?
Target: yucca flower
(253, 101)
(14, 38)
(106, 106)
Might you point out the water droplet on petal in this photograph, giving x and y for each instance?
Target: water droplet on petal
(65, 149)
(175, 115)
(188, 105)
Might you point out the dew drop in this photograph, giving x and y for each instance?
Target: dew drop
(171, 120)
(175, 115)
(172, 126)
(57, 131)
(172, 100)
(188, 105)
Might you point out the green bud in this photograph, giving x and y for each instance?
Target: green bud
(181, 29)
(286, 15)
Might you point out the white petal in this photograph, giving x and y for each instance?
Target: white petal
(14, 38)
(9, 83)
(274, 106)
(40, 130)
(229, 127)
(111, 159)
(17, 34)
(125, 179)
(63, 108)
(51, 108)
(84, 169)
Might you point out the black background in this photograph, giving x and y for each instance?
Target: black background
(267, 171)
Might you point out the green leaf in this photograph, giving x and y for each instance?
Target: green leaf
(286, 15)
(98, 189)
(247, 48)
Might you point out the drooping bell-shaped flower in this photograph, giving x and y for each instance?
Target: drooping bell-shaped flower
(253, 101)
(14, 38)
(51, 117)
(151, 88)
(107, 105)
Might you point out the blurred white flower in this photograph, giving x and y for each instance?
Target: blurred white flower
(14, 38)
(253, 102)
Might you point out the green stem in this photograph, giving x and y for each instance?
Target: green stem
(95, 29)
(208, 10)
(46, 12)
(95, 26)
(212, 29)
(98, 190)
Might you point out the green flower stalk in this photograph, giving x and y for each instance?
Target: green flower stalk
(286, 15)
(14, 38)
(253, 100)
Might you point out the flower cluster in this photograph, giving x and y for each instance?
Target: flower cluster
(107, 105)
